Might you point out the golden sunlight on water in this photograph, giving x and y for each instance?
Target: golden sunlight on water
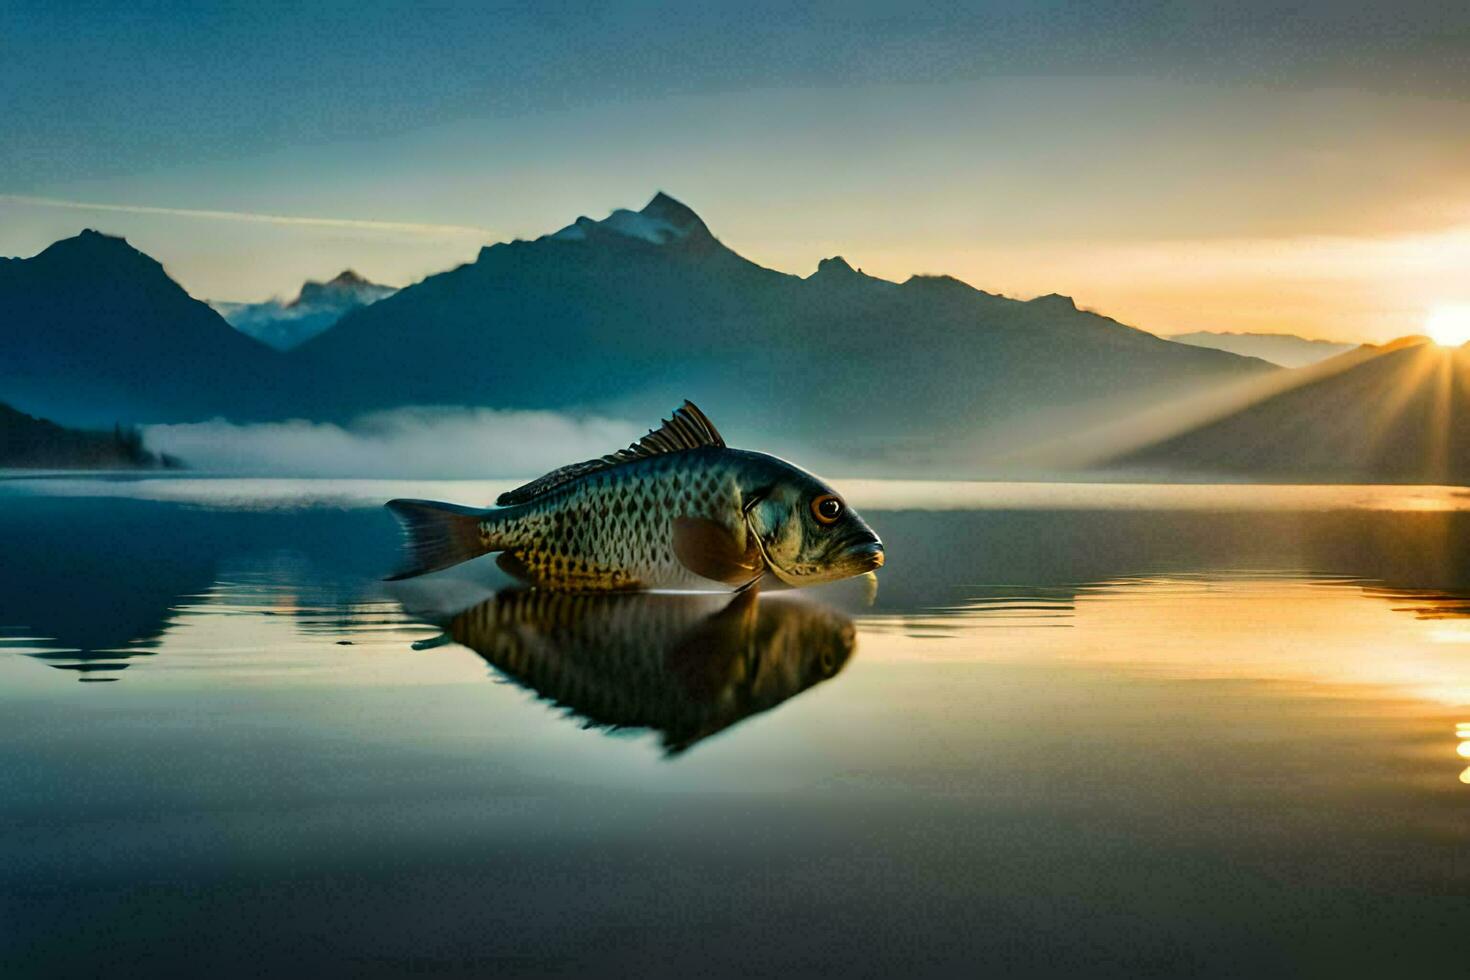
(272, 493)
(1401, 657)
(1462, 731)
(977, 495)
(1268, 629)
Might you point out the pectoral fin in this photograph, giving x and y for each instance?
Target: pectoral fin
(709, 549)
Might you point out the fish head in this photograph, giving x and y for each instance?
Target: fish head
(807, 532)
(809, 642)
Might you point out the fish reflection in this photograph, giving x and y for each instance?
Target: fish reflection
(686, 666)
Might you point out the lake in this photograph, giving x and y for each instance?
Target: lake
(1069, 730)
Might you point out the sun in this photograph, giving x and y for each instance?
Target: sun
(1449, 326)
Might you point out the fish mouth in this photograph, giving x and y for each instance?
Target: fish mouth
(867, 557)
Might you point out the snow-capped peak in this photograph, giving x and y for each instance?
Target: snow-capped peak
(662, 220)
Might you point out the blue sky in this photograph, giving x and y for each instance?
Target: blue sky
(1180, 166)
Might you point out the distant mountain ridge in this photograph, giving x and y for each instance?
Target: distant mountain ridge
(1287, 350)
(1391, 413)
(283, 324)
(346, 287)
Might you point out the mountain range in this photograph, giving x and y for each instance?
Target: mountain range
(624, 316)
(283, 324)
(1287, 350)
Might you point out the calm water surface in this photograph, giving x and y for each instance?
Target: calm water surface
(1070, 730)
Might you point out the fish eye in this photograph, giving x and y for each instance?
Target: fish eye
(827, 508)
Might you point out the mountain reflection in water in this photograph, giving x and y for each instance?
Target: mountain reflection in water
(686, 666)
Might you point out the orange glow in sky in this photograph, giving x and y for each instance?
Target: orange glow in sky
(1172, 206)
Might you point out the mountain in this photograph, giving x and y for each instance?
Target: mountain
(1388, 414)
(285, 324)
(623, 317)
(92, 330)
(631, 313)
(1286, 350)
(31, 443)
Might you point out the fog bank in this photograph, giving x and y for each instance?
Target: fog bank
(418, 441)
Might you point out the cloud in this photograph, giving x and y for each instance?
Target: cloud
(421, 441)
(361, 224)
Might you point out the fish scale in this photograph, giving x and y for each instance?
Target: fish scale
(612, 529)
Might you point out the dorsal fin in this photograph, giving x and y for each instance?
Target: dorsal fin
(688, 429)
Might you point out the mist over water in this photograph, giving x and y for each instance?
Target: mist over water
(418, 441)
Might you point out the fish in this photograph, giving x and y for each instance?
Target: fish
(684, 666)
(678, 509)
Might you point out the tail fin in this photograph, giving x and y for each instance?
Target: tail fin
(436, 535)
